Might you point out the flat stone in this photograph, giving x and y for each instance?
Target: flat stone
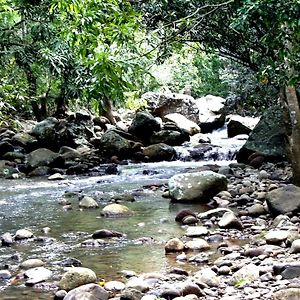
(276, 236)
(196, 231)
(31, 263)
(36, 275)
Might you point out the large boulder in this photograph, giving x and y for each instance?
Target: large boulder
(268, 138)
(183, 123)
(287, 294)
(161, 104)
(196, 187)
(240, 125)
(89, 291)
(143, 126)
(77, 276)
(284, 200)
(211, 112)
(5, 147)
(41, 157)
(25, 140)
(169, 137)
(159, 152)
(113, 143)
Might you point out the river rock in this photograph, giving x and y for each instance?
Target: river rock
(189, 288)
(287, 294)
(284, 199)
(268, 138)
(159, 152)
(77, 276)
(41, 157)
(56, 176)
(295, 247)
(143, 126)
(5, 147)
(183, 123)
(211, 112)
(174, 245)
(5, 274)
(69, 153)
(196, 187)
(196, 231)
(248, 273)
(207, 276)
(229, 220)
(45, 131)
(6, 239)
(169, 137)
(240, 125)
(116, 143)
(89, 291)
(105, 233)
(290, 272)
(197, 244)
(116, 210)
(139, 284)
(216, 212)
(183, 214)
(131, 294)
(25, 140)
(276, 236)
(114, 286)
(161, 104)
(23, 234)
(88, 202)
(32, 263)
(36, 275)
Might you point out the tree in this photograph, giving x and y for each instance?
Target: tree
(263, 35)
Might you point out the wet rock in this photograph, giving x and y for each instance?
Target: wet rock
(88, 202)
(196, 231)
(36, 275)
(256, 210)
(238, 125)
(197, 244)
(168, 292)
(60, 295)
(126, 197)
(70, 262)
(31, 263)
(77, 276)
(284, 200)
(217, 212)
(143, 126)
(159, 152)
(276, 236)
(22, 234)
(40, 171)
(5, 147)
(169, 137)
(69, 153)
(291, 272)
(95, 243)
(197, 187)
(89, 291)
(295, 247)
(189, 220)
(184, 213)
(247, 273)
(174, 245)
(287, 294)
(114, 286)
(189, 288)
(6, 239)
(229, 220)
(207, 276)
(105, 233)
(116, 210)
(25, 140)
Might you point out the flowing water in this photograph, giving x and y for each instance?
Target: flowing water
(33, 204)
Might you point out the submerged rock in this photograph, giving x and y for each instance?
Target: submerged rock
(196, 187)
(116, 210)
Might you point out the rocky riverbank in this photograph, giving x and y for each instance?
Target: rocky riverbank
(246, 245)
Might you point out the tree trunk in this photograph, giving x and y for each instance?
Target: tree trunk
(108, 107)
(294, 136)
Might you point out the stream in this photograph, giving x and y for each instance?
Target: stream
(33, 204)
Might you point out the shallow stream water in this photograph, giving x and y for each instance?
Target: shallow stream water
(33, 204)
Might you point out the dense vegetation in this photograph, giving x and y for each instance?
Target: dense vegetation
(56, 54)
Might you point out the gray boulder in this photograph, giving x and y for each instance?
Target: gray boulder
(169, 137)
(196, 187)
(159, 152)
(183, 123)
(143, 126)
(45, 131)
(268, 138)
(161, 104)
(211, 112)
(114, 143)
(239, 125)
(89, 291)
(5, 147)
(41, 157)
(287, 294)
(284, 200)
(25, 140)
